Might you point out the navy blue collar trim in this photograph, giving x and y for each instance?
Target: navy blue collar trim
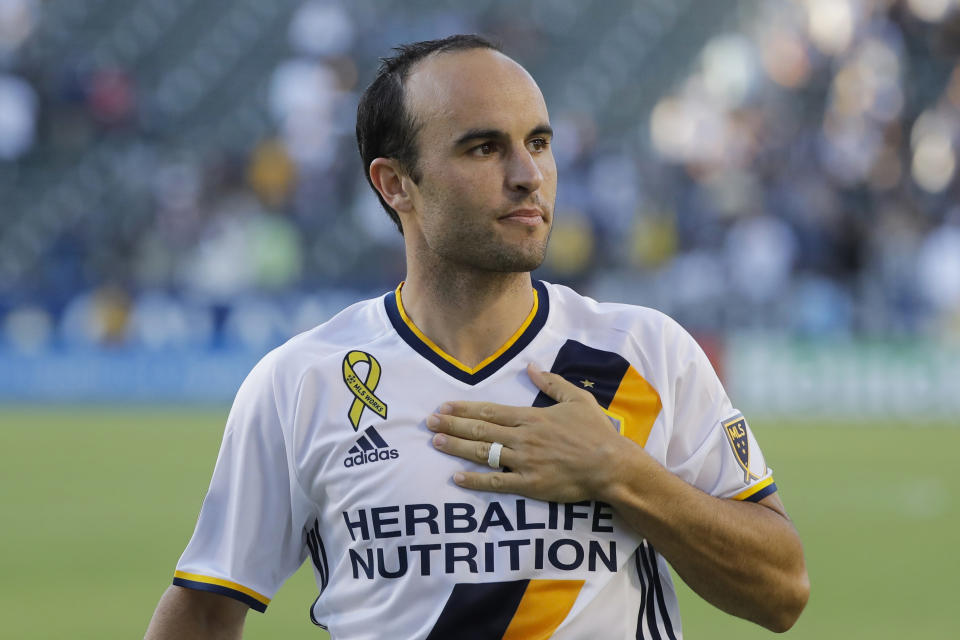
(539, 319)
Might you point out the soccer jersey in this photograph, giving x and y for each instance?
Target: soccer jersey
(326, 455)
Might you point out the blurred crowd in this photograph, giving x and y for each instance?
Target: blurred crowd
(166, 184)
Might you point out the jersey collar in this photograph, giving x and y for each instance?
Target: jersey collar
(420, 343)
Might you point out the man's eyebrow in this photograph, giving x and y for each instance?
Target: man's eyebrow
(492, 134)
(477, 134)
(542, 130)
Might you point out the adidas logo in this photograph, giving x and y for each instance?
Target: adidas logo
(370, 448)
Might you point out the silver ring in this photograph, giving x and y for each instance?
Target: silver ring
(493, 458)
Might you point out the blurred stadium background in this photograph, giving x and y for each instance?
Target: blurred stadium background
(180, 192)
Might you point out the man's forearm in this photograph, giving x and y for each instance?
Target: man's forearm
(743, 557)
(185, 614)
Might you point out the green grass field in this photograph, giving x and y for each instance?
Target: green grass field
(98, 504)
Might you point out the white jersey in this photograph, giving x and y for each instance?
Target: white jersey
(326, 455)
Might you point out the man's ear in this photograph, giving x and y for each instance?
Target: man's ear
(388, 179)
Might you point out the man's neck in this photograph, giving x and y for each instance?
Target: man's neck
(469, 315)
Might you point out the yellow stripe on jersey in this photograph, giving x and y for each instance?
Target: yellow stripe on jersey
(446, 356)
(637, 404)
(545, 604)
(222, 583)
(753, 489)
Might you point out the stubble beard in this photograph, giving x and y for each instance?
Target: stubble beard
(478, 248)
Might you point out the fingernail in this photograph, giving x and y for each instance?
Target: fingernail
(433, 421)
(446, 407)
(439, 440)
(459, 478)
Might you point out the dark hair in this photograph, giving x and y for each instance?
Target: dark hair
(384, 127)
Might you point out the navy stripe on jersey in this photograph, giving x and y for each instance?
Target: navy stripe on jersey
(658, 588)
(763, 493)
(652, 599)
(539, 319)
(313, 618)
(376, 438)
(651, 607)
(643, 595)
(318, 553)
(253, 603)
(481, 611)
(599, 372)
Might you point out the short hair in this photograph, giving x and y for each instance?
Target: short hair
(385, 129)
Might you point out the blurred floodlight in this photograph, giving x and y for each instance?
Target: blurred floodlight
(830, 24)
(931, 10)
(934, 158)
(729, 68)
(932, 123)
(879, 66)
(303, 97)
(687, 129)
(671, 128)
(938, 267)
(869, 83)
(785, 58)
(321, 29)
(17, 21)
(934, 163)
(17, 116)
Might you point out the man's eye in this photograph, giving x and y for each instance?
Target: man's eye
(484, 149)
(539, 144)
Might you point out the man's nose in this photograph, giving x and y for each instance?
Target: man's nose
(523, 172)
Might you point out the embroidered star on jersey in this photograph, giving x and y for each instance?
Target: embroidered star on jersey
(587, 384)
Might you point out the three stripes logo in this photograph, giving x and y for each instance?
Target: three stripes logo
(370, 447)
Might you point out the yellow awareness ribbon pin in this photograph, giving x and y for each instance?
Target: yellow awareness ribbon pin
(363, 389)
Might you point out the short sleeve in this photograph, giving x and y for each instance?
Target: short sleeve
(247, 541)
(711, 445)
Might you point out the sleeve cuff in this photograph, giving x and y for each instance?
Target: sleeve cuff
(251, 598)
(757, 492)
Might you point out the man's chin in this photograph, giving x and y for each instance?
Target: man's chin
(514, 262)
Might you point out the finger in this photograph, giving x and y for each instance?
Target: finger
(470, 429)
(496, 481)
(471, 450)
(502, 414)
(556, 386)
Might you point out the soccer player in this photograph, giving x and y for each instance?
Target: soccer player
(478, 455)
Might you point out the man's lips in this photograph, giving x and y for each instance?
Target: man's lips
(529, 217)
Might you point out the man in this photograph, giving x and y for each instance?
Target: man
(366, 444)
